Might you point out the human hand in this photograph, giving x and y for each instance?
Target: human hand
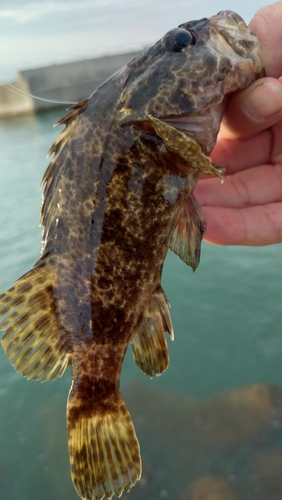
(247, 208)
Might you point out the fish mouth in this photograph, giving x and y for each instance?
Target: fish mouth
(231, 37)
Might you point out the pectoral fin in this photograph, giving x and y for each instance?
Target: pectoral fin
(32, 341)
(186, 237)
(186, 148)
(149, 345)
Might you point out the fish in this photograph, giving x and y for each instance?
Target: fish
(117, 194)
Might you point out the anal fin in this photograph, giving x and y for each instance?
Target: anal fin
(186, 236)
(149, 345)
(32, 341)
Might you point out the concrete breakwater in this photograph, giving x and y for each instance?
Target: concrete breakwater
(69, 82)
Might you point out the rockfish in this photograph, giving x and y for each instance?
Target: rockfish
(117, 195)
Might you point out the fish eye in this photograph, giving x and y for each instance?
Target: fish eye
(183, 38)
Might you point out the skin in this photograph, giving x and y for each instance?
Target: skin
(247, 208)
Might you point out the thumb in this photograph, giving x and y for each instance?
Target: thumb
(253, 109)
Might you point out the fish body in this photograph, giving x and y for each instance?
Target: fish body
(117, 195)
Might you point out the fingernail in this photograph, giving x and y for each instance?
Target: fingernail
(263, 102)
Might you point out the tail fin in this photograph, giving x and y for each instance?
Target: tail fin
(32, 341)
(104, 450)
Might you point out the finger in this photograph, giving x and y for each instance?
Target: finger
(258, 186)
(276, 152)
(253, 109)
(266, 24)
(252, 226)
(240, 154)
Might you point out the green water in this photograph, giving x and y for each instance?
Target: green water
(227, 320)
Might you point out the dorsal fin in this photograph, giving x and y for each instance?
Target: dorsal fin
(187, 233)
(70, 121)
(67, 120)
(51, 177)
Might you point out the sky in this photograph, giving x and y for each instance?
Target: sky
(39, 33)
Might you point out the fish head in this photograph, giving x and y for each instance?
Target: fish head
(184, 78)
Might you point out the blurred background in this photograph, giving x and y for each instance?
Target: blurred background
(211, 424)
(38, 33)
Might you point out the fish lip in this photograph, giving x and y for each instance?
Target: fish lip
(229, 35)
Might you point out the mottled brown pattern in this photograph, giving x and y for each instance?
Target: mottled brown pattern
(117, 194)
(32, 340)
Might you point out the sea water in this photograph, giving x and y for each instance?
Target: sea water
(227, 320)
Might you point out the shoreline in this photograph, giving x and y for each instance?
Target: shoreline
(63, 83)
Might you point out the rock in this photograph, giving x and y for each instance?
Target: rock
(267, 474)
(239, 416)
(185, 438)
(232, 418)
(211, 488)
